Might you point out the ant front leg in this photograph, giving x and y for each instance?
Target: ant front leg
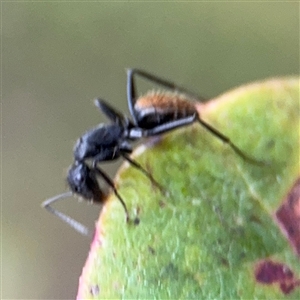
(114, 115)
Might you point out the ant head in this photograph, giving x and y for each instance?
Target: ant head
(83, 182)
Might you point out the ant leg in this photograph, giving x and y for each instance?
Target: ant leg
(226, 140)
(140, 168)
(131, 89)
(65, 218)
(131, 94)
(114, 115)
(111, 184)
(138, 132)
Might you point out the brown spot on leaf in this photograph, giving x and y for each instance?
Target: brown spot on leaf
(270, 272)
(288, 216)
(136, 221)
(151, 250)
(224, 262)
(162, 204)
(94, 290)
(255, 219)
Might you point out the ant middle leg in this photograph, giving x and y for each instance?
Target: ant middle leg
(140, 168)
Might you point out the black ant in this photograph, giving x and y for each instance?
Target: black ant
(153, 114)
(106, 142)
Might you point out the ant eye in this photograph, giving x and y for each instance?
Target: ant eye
(79, 179)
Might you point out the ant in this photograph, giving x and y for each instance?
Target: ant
(153, 114)
(105, 142)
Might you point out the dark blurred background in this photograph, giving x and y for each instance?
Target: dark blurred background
(56, 57)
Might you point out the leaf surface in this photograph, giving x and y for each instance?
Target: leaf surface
(217, 230)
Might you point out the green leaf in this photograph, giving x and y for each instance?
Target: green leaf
(213, 233)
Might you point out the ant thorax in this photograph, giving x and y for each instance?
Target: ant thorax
(99, 141)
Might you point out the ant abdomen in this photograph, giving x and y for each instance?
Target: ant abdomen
(156, 108)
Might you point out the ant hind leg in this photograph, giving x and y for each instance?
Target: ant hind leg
(227, 141)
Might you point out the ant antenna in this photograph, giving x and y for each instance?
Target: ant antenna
(65, 218)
